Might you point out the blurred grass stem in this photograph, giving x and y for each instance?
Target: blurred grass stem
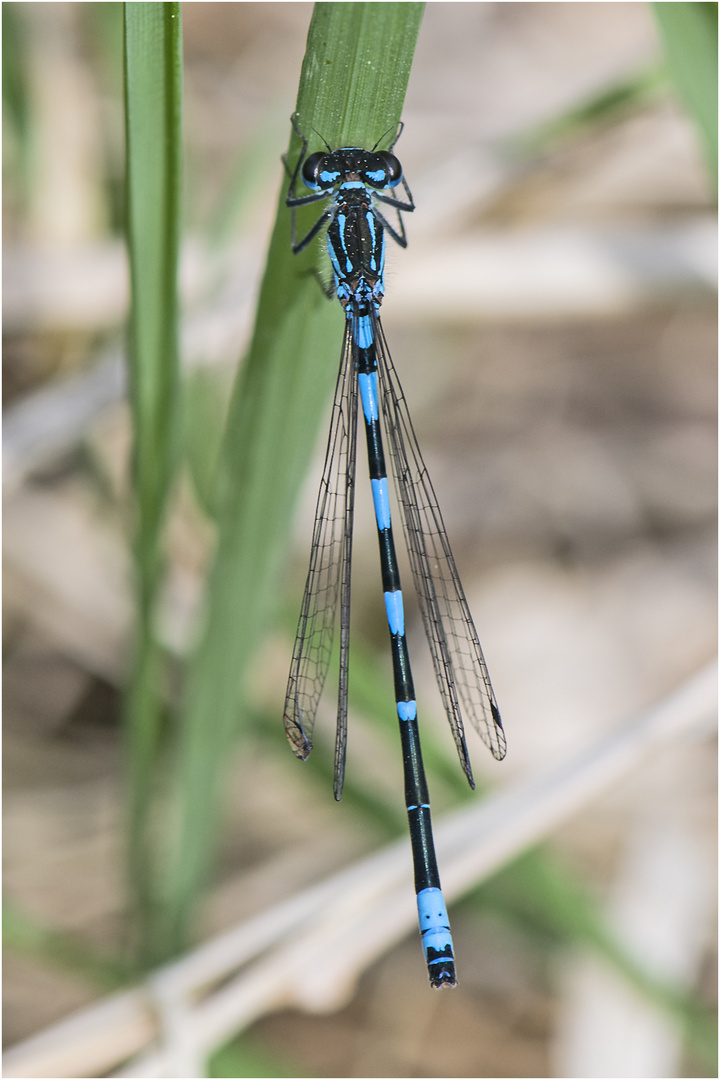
(153, 118)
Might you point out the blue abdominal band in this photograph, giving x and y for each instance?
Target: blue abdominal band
(407, 710)
(369, 394)
(433, 918)
(395, 614)
(382, 503)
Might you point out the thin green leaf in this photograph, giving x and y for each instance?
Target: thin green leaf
(17, 104)
(608, 106)
(153, 101)
(690, 37)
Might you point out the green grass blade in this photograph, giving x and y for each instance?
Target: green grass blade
(17, 104)
(153, 101)
(607, 106)
(353, 85)
(690, 37)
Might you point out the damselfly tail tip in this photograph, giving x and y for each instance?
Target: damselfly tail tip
(442, 975)
(436, 937)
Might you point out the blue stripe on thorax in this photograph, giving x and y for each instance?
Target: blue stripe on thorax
(335, 263)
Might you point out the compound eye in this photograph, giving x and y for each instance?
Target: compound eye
(393, 168)
(312, 170)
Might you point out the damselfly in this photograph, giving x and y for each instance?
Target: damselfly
(357, 185)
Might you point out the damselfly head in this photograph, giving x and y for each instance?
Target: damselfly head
(378, 169)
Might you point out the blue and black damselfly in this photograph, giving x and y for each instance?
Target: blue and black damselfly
(355, 184)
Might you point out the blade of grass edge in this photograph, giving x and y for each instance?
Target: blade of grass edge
(153, 130)
(690, 37)
(353, 83)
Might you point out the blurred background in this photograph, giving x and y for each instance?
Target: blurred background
(554, 324)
